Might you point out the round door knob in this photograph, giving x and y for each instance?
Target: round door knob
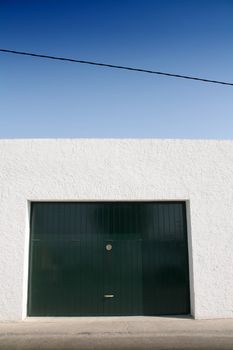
(108, 247)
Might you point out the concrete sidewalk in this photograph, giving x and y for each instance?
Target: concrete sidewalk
(116, 333)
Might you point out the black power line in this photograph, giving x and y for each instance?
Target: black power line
(117, 67)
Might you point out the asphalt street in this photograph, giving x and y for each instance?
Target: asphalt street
(117, 333)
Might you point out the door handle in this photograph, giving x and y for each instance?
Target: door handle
(109, 295)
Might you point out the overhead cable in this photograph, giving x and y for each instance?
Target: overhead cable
(117, 67)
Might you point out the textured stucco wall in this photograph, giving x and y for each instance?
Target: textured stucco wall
(200, 172)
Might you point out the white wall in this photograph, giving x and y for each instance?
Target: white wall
(200, 172)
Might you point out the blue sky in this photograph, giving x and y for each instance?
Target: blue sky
(43, 98)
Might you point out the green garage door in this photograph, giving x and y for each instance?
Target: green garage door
(104, 258)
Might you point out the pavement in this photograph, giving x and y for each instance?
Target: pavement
(114, 333)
